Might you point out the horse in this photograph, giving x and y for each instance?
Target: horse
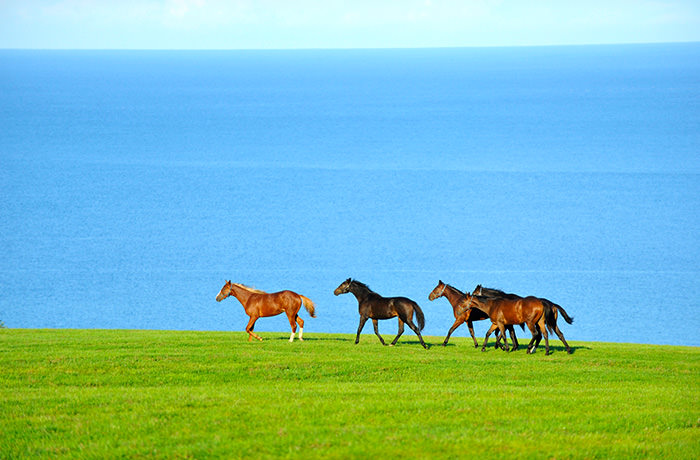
(372, 305)
(504, 311)
(258, 304)
(551, 309)
(453, 295)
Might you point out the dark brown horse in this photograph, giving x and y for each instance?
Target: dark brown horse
(453, 295)
(258, 304)
(551, 309)
(504, 311)
(376, 307)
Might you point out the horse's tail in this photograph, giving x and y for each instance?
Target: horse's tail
(309, 305)
(420, 317)
(550, 310)
(567, 318)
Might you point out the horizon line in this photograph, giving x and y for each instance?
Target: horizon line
(364, 48)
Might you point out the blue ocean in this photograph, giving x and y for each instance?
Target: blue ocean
(134, 183)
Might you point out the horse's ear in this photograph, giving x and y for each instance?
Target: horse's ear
(440, 281)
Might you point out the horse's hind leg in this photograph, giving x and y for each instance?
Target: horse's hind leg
(546, 336)
(513, 338)
(561, 337)
(376, 330)
(249, 329)
(417, 331)
(301, 328)
(293, 324)
(398, 334)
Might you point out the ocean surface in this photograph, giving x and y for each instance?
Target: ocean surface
(134, 183)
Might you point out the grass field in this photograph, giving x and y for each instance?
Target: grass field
(101, 394)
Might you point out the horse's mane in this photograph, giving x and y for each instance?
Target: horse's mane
(361, 285)
(497, 291)
(450, 286)
(249, 289)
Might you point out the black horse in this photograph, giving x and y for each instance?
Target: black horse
(374, 306)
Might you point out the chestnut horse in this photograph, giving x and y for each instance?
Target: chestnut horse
(550, 309)
(504, 311)
(258, 304)
(453, 295)
(374, 306)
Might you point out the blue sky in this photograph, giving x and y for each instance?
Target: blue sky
(248, 24)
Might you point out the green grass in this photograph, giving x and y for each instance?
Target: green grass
(97, 394)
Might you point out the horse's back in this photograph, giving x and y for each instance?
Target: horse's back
(403, 300)
(515, 310)
(380, 307)
(531, 308)
(290, 299)
(273, 303)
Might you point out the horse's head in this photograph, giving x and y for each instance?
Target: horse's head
(224, 292)
(344, 287)
(438, 291)
(464, 304)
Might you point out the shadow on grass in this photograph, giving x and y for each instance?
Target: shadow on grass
(437, 346)
(326, 339)
(541, 349)
(308, 339)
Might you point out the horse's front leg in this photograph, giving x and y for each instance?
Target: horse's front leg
(458, 322)
(488, 333)
(393, 342)
(249, 329)
(363, 320)
(470, 325)
(536, 337)
(376, 330)
(502, 330)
